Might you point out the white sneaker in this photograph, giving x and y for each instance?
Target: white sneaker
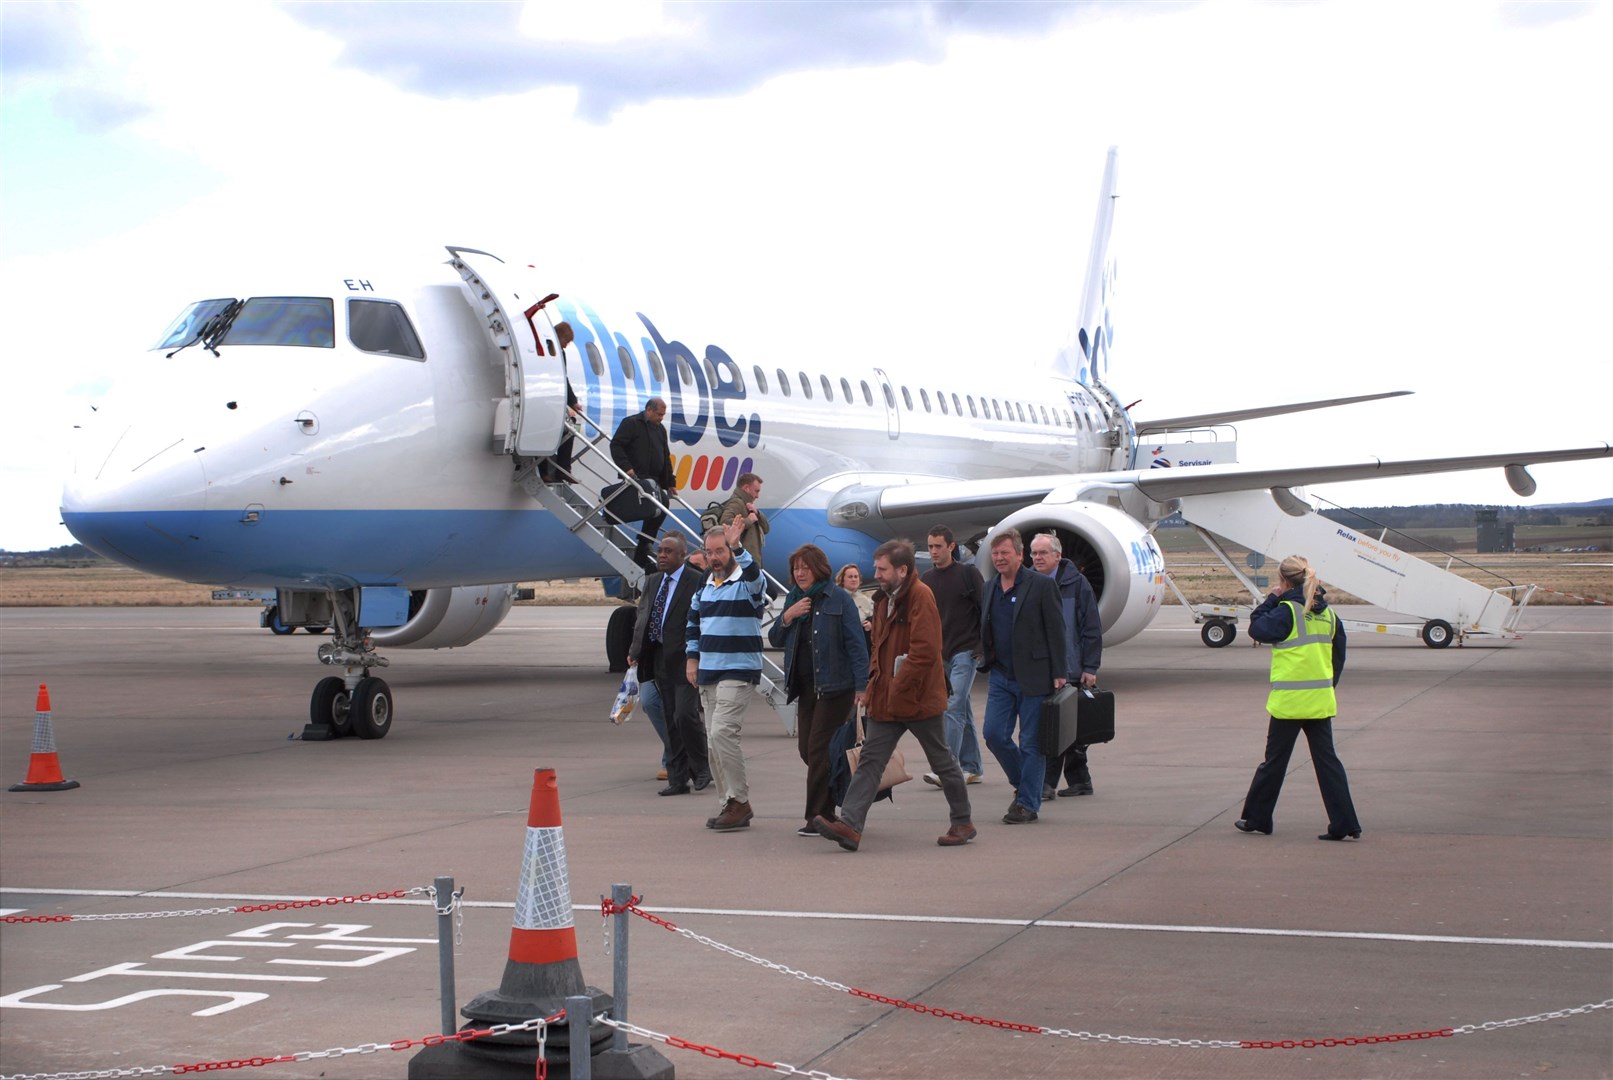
(932, 779)
(973, 778)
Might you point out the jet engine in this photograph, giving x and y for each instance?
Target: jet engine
(448, 618)
(1117, 554)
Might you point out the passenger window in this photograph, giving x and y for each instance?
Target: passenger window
(595, 361)
(1021, 410)
(625, 359)
(761, 380)
(957, 406)
(868, 395)
(307, 321)
(380, 326)
(685, 371)
(890, 398)
(1045, 418)
(924, 396)
(806, 385)
(828, 387)
(783, 382)
(970, 399)
(995, 408)
(845, 388)
(655, 366)
(941, 400)
(907, 398)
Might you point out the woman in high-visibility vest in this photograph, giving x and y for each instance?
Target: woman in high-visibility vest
(1307, 658)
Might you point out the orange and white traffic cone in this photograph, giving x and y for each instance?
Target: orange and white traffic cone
(44, 771)
(540, 974)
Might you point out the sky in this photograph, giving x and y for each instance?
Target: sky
(1316, 199)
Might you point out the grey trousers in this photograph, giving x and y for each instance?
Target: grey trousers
(880, 738)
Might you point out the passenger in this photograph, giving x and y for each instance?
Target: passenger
(906, 692)
(1083, 646)
(658, 652)
(1022, 645)
(1307, 658)
(556, 469)
(723, 643)
(958, 588)
(742, 504)
(640, 449)
(850, 578)
(825, 667)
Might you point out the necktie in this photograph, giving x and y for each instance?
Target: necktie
(658, 612)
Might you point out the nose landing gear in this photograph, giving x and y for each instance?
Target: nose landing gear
(356, 702)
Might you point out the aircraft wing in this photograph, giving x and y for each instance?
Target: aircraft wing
(984, 502)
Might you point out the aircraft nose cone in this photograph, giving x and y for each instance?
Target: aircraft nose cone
(131, 491)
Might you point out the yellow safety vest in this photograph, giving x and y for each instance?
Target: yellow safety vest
(1302, 668)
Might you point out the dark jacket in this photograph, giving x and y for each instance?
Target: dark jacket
(641, 444)
(958, 590)
(1038, 649)
(674, 623)
(919, 690)
(1273, 621)
(1083, 629)
(839, 646)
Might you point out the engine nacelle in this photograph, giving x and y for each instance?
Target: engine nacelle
(1116, 553)
(448, 618)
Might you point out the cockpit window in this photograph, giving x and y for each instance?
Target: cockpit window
(183, 330)
(307, 321)
(380, 326)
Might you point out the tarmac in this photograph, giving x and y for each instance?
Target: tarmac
(1137, 920)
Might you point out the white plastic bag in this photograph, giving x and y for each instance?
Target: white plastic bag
(626, 698)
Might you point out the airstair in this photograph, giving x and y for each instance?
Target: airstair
(1446, 606)
(584, 508)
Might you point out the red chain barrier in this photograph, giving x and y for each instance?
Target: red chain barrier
(947, 1014)
(35, 918)
(1358, 1040)
(288, 905)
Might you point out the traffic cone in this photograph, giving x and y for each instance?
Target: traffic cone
(541, 972)
(44, 771)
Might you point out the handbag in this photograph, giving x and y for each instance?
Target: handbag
(895, 769)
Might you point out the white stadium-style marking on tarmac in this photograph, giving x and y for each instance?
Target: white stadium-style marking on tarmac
(839, 916)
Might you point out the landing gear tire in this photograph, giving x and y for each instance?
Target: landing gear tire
(317, 629)
(1218, 633)
(272, 621)
(332, 706)
(372, 708)
(619, 636)
(1437, 634)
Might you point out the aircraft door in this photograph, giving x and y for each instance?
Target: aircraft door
(534, 364)
(893, 419)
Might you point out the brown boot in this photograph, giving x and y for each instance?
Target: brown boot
(957, 836)
(735, 815)
(838, 831)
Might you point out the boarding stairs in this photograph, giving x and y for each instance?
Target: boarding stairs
(582, 507)
(1277, 523)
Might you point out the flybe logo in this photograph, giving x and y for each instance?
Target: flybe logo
(704, 395)
(1146, 557)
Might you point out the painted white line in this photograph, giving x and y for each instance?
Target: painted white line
(847, 916)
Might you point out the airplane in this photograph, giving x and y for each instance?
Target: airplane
(366, 440)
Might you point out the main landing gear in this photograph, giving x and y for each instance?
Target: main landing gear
(355, 702)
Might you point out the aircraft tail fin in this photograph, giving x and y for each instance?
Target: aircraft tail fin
(1085, 357)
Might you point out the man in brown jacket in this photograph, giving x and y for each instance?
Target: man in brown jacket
(906, 692)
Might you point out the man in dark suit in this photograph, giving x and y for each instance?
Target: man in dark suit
(658, 651)
(1022, 638)
(640, 449)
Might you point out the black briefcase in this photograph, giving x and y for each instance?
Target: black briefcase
(623, 502)
(1060, 720)
(1095, 717)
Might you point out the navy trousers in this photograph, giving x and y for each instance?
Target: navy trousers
(1281, 735)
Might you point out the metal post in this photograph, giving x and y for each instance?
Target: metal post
(619, 896)
(445, 951)
(579, 1013)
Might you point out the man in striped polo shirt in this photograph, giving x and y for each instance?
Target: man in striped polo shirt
(724, 648)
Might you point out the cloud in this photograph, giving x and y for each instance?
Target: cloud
(1531, 13)
(469, 50)
(39, 39)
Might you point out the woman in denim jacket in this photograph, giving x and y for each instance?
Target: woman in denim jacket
(825, 666)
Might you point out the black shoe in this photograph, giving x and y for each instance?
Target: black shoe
(1018, 815)
(1356, 835)
(701, 783)
(1047, 792)
(1243, 826)
(808, 829)
(674, 789)
(1076, 789)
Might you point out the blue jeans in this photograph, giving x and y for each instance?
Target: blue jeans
(649, 699)
(1023, 764)
(960, 714)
